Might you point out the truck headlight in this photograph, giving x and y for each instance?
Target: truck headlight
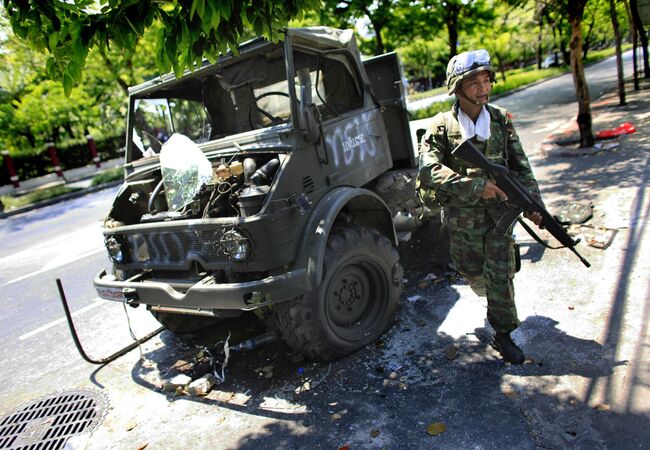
(236, 245)
(115, 252)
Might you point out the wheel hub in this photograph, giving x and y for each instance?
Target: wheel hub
(349, 297)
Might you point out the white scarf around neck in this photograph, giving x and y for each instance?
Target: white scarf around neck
(468, 129)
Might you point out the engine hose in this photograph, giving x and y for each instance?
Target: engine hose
(264, 174)
(153, 196)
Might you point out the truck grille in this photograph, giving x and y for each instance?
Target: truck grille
(165, 248)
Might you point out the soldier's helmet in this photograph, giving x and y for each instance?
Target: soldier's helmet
(465, 64)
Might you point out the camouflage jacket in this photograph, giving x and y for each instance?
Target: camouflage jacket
(447, 181)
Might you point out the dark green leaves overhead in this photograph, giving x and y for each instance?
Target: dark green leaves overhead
(191, 29)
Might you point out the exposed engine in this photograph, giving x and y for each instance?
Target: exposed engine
(237, 188)
(189, 186)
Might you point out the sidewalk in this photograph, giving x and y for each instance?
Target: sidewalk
(80, 177)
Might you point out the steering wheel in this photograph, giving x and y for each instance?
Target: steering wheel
(254, 107)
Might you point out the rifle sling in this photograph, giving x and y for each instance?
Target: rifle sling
(536, 237)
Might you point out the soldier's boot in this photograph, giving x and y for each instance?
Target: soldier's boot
(508, 349)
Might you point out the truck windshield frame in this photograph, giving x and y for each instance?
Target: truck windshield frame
(238, 95)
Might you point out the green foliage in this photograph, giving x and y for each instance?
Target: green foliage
(422, 58)
(431, 110)
(514, 80)
(189, 31)
(45, 110)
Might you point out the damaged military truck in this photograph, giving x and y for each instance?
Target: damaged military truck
(268, 181)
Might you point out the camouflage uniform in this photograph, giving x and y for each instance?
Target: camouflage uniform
(485, 259)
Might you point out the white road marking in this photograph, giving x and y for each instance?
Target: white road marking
(53, 264)
(97, 302)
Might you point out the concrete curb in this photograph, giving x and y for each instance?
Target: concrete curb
(61, 198)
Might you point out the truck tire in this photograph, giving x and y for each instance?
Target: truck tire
(397, 189)
(355, 302)
(183, 323)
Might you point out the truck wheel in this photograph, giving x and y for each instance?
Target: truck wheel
(397, 189)
(355, 302)
(183, 323)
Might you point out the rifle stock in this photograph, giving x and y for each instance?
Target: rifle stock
(517, 194)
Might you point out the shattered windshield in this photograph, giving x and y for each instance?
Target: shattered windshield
(247, 94)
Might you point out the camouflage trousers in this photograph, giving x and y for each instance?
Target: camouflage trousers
(486, 260)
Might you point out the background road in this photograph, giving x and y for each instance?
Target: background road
(585, 330)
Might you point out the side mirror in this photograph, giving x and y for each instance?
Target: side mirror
(308, 121)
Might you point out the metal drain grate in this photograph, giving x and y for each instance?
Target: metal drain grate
(47, 423)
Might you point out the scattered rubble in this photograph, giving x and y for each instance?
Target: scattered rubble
(179, 381)
(202, 386)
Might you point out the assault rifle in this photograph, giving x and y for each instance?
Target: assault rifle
(519, 198)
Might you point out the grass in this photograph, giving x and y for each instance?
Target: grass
(107, 176)
(11, 202)
(515, 79)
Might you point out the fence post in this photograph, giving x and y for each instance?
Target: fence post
(56, 164)
(9, 164)
(93, 150)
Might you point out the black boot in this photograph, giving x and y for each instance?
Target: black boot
(508, 349)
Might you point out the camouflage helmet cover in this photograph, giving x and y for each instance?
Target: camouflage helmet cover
(465, 64)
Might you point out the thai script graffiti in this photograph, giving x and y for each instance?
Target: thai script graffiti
(352, 142)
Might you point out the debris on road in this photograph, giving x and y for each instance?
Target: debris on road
(574, 213)
(624, 128)
(179, 381)
(201, 386)
(436, 428)
(601, 237)
(451, 352)
(607, 145)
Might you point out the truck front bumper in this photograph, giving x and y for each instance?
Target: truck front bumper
(206, 294)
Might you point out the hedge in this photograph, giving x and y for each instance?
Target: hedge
(71, 156)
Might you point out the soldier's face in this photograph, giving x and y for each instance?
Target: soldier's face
(476, 88)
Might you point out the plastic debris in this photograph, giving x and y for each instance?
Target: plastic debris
(600, 237)
(606, 145)
(414, 298)
(574, 213)
(624, 128)
(374, 432)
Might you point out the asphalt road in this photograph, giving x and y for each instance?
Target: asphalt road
(484, 404)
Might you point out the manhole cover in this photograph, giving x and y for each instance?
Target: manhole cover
(48, 422)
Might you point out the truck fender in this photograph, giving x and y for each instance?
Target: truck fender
(365, 209)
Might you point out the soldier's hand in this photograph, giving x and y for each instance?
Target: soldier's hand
(536, 218)
(491, 190)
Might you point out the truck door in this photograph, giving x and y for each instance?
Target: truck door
(385, 75)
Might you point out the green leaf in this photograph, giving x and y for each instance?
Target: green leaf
(53, 40)
(200, 7)
(68, 82)
(78, 49)
(216, 18)
(206, 19)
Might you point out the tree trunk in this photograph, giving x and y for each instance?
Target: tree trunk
(635, 73)
(619, 54)
(451, 20)
(582, 89)
(540, 36)
(502, 69)
(642, 34)
(379, 50)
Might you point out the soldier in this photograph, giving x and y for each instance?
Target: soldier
(486, 260)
